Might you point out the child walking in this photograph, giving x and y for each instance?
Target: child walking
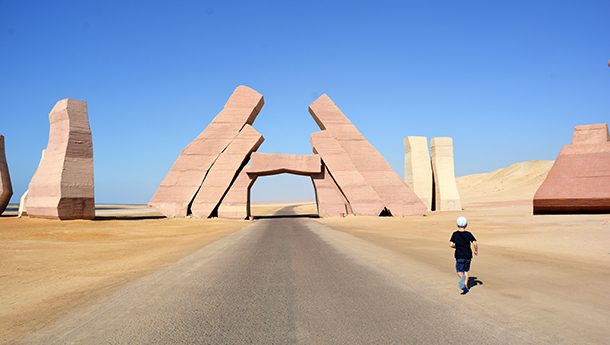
(460, 240)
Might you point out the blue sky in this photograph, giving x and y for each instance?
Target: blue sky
(507, 80)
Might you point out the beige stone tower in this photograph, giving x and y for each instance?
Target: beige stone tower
(446, 195)
(418, 170)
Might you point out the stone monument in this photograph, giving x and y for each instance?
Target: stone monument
(365, 178)
(418, 168)
(62, 187)
(6, 188)
(446, 195)
(211, 177)
(180, 186)
(579, 181)
(22, 209)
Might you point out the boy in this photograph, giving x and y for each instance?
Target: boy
(460, 240)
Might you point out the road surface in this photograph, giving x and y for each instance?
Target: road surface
(277, 281)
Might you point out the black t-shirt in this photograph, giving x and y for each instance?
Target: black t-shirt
(462, 241)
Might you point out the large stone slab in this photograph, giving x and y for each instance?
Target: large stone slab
(224, 171)
(579, 181)
(446, 195)
(62, 187)
(366, 161)
(329, 199)
(6, 188)
(236, 204)
(418, 168)
(263, 164)
(22, 209)
(362, 198)
(180, 185)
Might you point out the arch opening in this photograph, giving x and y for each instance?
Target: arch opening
(283, 194)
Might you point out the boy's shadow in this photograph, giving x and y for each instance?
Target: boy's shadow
(473, 281)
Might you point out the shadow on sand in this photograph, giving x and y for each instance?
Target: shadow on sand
(473, 281)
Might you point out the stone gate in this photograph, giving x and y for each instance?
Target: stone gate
(214, 173)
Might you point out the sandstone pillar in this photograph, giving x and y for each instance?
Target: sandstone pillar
(418, 168)
(446, 195)
(6, 188)
(62, 187)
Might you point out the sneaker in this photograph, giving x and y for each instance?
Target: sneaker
(465, 290)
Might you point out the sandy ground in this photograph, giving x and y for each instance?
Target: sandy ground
(48, 268)
(549, 273)
(514, 185)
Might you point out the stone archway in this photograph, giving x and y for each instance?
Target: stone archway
(329, 199)
(210, 177)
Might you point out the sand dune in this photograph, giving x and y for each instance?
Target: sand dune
(515, 183)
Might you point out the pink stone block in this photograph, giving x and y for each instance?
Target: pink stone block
(262, 164)
(579, 180)
(349, 151)
(224, 171)
(330, 200)
(63, 185)
(236, 204)
(6, 188)
(180, 186)
(360, 195)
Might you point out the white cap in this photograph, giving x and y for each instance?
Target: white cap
(462, 222)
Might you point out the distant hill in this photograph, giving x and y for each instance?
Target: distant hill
(517, 182)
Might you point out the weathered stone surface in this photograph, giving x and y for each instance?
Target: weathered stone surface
(418, 168)
(6, 188)
(446, 195)
(330, 200)
(362, 198)
(224, 171)
(353, 160)
(236, 204)
(22, 209)
(263, 164)
(62, 187)
(579, 180)
(180, 185)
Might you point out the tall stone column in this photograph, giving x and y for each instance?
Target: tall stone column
(62, 187)
(418, 168)
(446, 195)
(6, 188)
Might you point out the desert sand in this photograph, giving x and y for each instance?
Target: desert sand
(49, 267)
(549, 274)
(512, 185)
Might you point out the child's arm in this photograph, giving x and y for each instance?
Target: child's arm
(451, 244)
(476, 247)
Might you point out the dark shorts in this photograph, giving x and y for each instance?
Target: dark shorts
(462, 265)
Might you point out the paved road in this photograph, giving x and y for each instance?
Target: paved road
(275, 282)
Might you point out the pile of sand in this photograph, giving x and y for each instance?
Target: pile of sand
(516, 183)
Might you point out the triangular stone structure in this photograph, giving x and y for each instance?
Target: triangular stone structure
(211, 177)
(579, 181)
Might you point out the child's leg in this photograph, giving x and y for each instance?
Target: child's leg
(466, 279)
(462, 279)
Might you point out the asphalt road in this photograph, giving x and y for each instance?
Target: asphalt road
(275, 282)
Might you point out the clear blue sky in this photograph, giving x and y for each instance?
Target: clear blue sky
(507, 80)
